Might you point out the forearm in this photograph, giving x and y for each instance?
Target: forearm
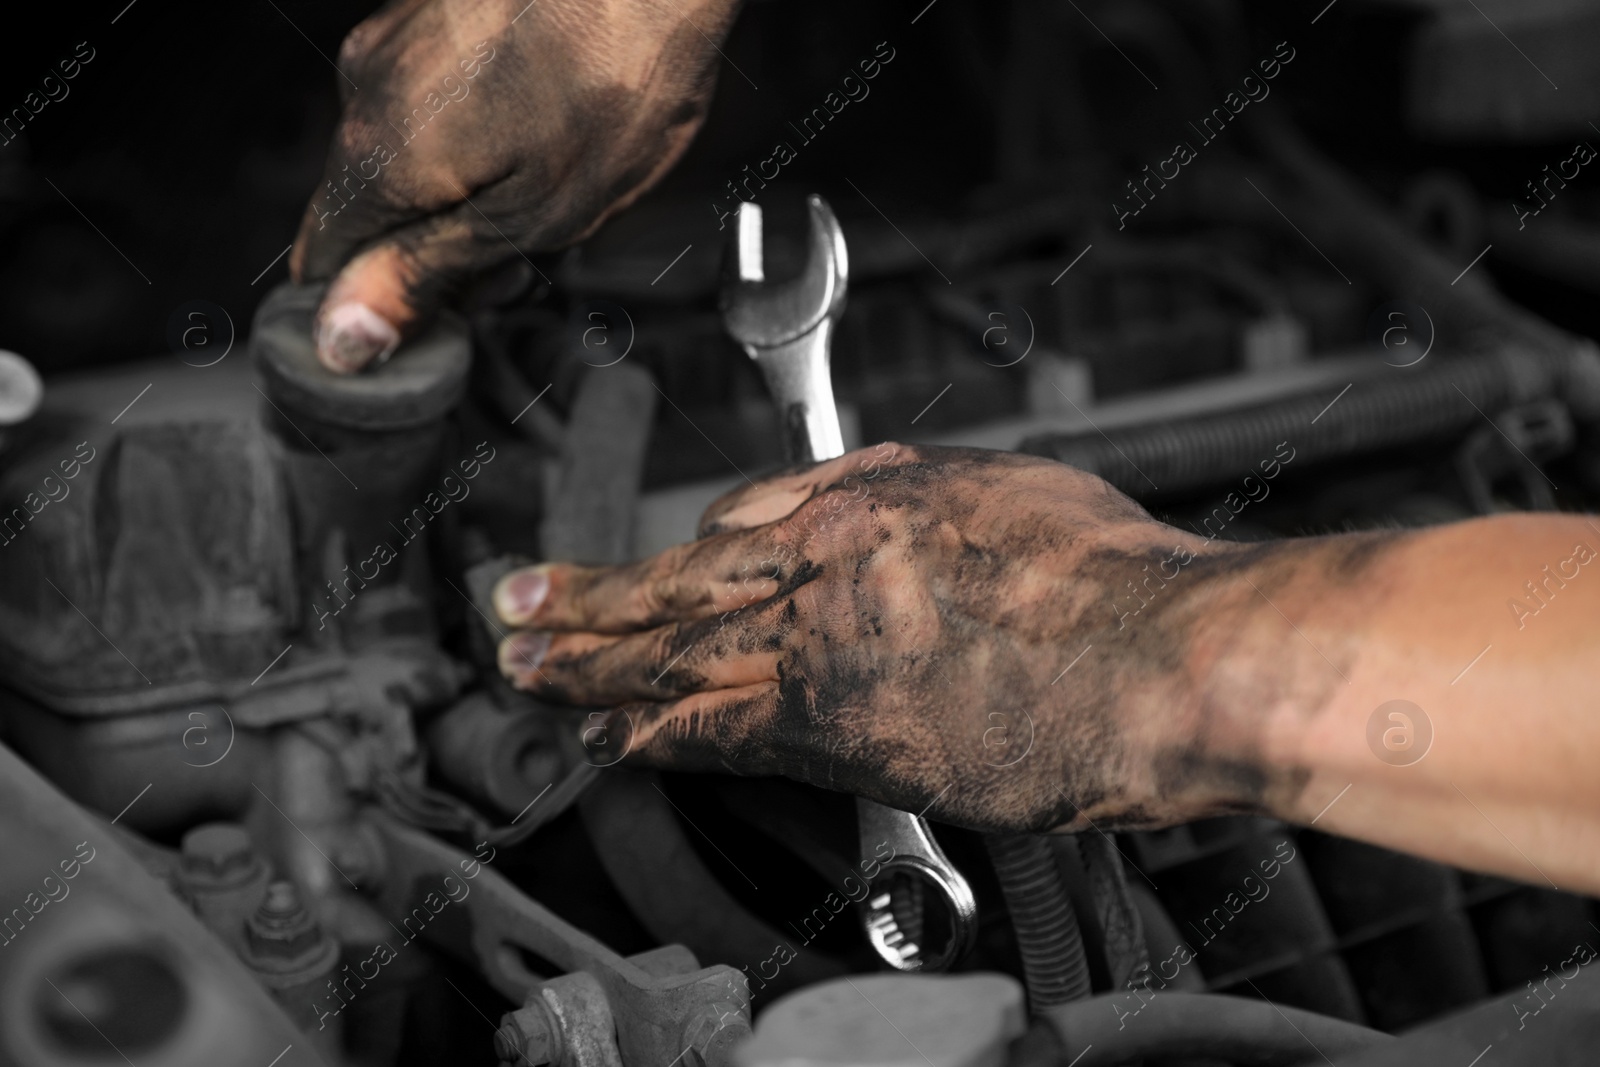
(1489, 764)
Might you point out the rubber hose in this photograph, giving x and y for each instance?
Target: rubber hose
(1432, 405)
(1236, 1030)
(1053, 960)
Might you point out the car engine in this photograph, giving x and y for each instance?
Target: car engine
(267, 801)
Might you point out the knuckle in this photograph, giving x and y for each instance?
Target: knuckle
(651, 598)
(666, 644)
(584, 603)
(646, 604)
(821, 515)
(358, 45)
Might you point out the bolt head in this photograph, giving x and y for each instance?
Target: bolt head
(219, 852)
(281, 927)
(281, 902)
(528, 1035)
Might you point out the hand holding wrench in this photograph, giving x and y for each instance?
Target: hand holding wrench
(786, 328)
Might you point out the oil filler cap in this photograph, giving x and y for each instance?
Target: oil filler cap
(890, 1020)
(420, 384)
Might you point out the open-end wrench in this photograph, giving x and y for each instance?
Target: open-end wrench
(786, 328)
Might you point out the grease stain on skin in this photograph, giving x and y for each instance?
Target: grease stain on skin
(972, 572)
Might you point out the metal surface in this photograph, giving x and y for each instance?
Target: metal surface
(224, 876)
(891, 1020)
(293, 958)
(578, 1030)
(503, 932)
(112, 962)
(1430, 404)
(918, 855)
(785, 327)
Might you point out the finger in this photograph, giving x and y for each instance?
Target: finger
(374, 180)
(731, 730)
(364, 194)
(774, 498)
(661, 664)
(702, 578)
(389, 292)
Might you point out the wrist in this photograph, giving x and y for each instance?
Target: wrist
(1248, 641)
(1181, 688)
(1284, 629)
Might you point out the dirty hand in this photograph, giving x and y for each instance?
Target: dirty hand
(474, 129)
(913, 625)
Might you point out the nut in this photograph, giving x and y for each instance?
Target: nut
(220, 852)
(529, 1036)
(281, 927)
(710, 1035)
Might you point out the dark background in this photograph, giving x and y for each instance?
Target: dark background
(195, 136)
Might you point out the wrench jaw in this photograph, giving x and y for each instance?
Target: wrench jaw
(786, 327)
(761, 314)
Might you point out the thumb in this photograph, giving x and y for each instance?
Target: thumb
(390, 290)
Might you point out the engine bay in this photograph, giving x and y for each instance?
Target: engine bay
(248, 684)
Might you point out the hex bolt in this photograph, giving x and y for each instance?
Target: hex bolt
(282, 928)
(220, 853)
(282, 903)
(353, 861)
(529, 1036)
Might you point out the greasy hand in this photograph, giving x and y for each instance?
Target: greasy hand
(922, 626)
(475, 128)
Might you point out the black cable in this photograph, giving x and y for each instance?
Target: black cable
(1053, 960)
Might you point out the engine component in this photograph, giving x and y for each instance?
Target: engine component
(1510, 448)
(506, 934)
(786, 328)
(361, 453)
(1436, 403)
(1047, 929)
(493, 754)
(566, 1022)
(224, 876)
(291, 956)
(100, 958)
(1203, 1026)
(208, 598)
(964, 1020)
(1458, 92)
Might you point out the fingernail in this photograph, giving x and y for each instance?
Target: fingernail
(350, 336)
(523, 653)
(518, 595)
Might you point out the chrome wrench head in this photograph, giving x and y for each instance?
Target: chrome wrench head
(786, 328)
(765, 315)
